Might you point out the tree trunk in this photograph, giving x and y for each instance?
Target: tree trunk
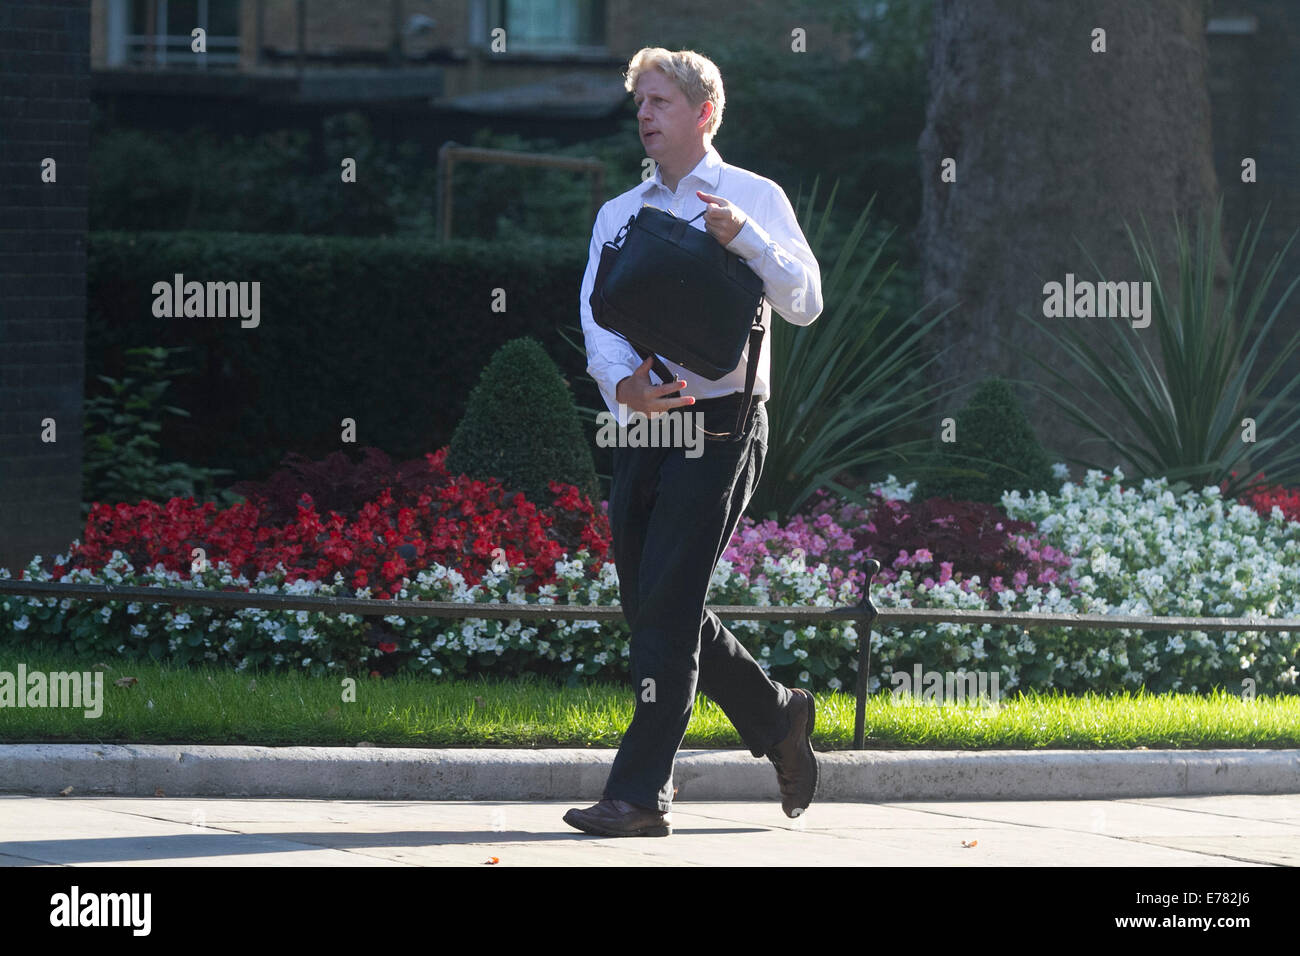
(1053, 141)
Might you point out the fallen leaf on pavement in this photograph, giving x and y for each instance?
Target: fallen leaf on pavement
(970, 844)
(158, 792)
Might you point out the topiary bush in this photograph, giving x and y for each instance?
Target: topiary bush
(995, 440)
(521, 426)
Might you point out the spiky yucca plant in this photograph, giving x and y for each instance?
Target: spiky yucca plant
(1186, 421)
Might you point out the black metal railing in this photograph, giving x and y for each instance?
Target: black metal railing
(864, 614)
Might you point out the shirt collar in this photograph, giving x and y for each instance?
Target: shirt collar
(708, 170)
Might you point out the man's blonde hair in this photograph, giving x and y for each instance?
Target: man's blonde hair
(695, 75)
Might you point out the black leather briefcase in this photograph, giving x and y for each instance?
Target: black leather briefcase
(676, 291)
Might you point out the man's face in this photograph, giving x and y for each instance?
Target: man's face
(670, 127)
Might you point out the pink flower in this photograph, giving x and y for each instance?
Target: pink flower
(945, 572)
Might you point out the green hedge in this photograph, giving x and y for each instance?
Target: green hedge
(393, 333)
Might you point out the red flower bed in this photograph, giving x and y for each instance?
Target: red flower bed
(457, 521)
(1263, 499)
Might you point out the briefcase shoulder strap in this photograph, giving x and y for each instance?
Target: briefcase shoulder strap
(751, 371)
(618, 240)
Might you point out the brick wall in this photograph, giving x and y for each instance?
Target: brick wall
(44, 112)
(679, 24)
(348, 24)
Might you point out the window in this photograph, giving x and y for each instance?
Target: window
(559, 25)
(156, 33)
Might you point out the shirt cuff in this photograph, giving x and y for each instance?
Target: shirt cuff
(608, 379)
(750, 242)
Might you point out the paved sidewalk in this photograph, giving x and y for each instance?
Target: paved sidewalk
(1212, 831)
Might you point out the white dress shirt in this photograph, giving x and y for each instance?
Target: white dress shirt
(770, 242)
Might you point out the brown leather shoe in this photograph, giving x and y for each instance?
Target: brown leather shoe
(619, 818)
(793, 757)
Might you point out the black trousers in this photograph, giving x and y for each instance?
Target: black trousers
(671, 517)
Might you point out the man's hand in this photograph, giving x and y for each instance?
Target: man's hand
(639, 394)
(722, 220)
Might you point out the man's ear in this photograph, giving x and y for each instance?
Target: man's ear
(706, 113)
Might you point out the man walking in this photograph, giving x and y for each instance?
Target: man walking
(671, 514)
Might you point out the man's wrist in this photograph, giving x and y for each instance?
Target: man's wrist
(749, 242)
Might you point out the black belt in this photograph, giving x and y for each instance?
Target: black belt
(723, 404)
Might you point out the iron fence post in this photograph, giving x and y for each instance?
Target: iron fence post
(866, 618)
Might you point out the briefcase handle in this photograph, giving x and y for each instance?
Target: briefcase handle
(676, 233)
(679, 228)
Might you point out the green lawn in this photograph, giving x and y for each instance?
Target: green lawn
(171, 705)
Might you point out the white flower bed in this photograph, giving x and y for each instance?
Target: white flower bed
(1136, 551)
(1146, 551)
